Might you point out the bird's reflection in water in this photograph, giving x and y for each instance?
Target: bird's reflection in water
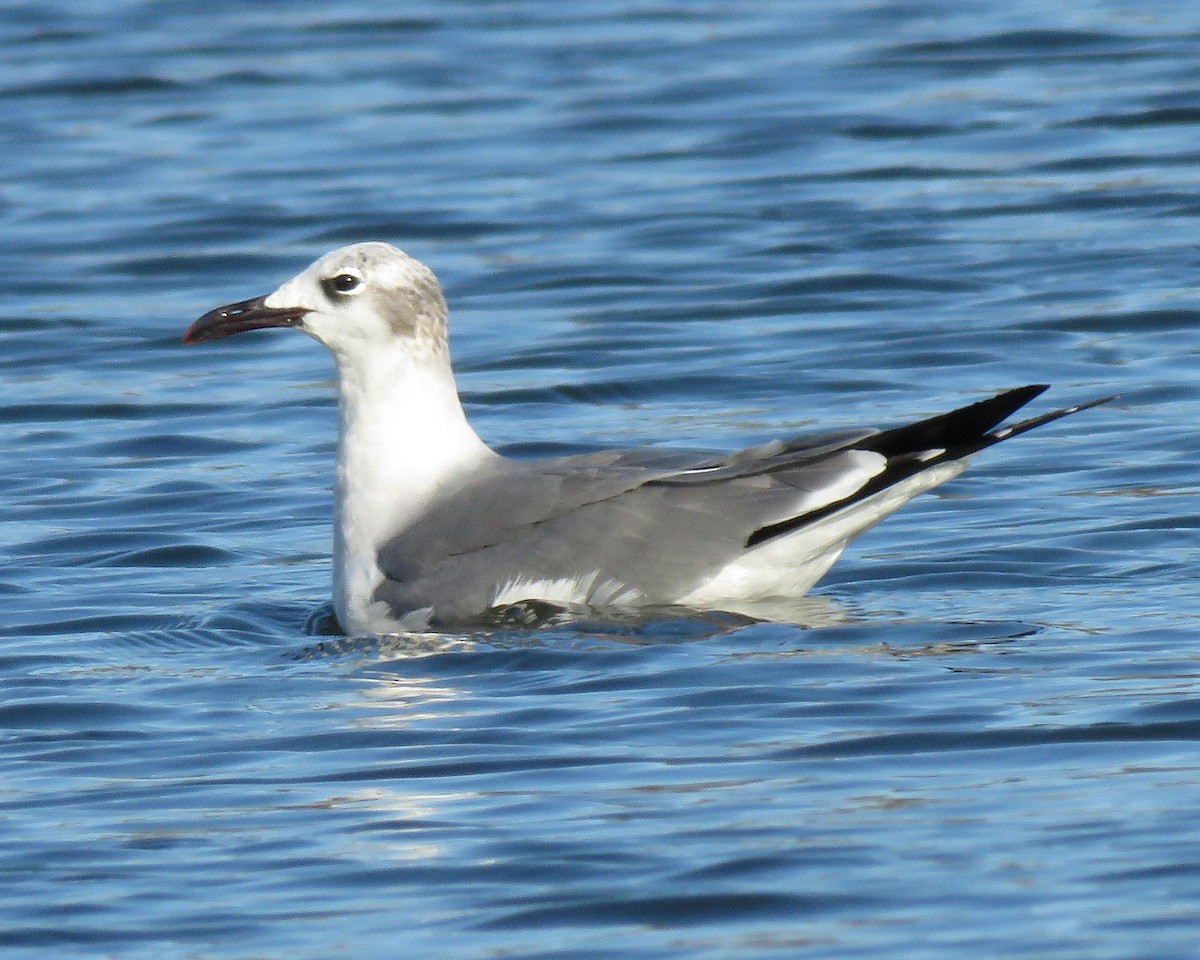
(535, 624)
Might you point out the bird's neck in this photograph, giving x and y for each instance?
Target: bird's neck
(402, 434)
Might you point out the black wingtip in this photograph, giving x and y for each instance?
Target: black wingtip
(958, 428)
(1016, 429)
(953, 435)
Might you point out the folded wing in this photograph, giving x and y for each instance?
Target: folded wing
(648, 526)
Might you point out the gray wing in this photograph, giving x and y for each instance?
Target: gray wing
(649, 523)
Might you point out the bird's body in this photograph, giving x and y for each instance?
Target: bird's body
(433, 527)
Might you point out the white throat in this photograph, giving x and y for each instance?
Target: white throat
(402, 433)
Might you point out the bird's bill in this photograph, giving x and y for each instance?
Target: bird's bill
(240, 317)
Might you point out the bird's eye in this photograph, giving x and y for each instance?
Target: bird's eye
(342, 283)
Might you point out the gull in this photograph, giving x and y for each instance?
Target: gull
(434, 530)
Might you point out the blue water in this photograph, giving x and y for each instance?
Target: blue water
(704, 224)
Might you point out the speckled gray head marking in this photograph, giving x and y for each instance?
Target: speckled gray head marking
(399, 288)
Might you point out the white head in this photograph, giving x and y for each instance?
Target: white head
(357, 301)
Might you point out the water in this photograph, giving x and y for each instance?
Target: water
(705, 223)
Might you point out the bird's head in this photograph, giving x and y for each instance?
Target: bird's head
(356, 300)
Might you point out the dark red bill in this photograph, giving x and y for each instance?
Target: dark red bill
(240, 317)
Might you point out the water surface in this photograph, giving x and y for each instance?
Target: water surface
(699, 224)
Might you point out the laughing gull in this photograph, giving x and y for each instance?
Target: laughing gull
(433, 528)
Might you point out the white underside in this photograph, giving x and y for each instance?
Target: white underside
(791, 565)
(591, 590)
